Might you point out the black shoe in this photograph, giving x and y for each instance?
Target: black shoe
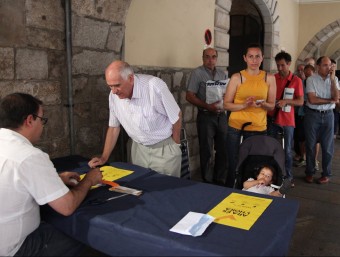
(286, 185)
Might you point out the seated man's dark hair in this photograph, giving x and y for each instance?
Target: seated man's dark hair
(15, 108)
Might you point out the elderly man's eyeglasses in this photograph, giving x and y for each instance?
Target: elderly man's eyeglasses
(43, 120)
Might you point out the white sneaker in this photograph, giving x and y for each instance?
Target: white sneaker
(317, 168)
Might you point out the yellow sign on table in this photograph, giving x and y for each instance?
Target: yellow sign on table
(111, 173)
(239, 211)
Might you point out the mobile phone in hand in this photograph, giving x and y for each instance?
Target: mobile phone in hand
(259, 101)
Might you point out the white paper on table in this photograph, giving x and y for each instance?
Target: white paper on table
(288, 94)
(193, 224)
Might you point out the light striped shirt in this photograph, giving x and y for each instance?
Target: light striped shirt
(322, 89)
(150, 113)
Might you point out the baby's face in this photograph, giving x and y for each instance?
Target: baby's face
(267, 175)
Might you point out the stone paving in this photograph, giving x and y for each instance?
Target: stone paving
(317, 229)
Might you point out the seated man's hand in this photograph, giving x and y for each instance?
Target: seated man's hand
(70, 178)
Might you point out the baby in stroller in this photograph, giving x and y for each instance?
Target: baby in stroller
(261, 153)
(262, 184)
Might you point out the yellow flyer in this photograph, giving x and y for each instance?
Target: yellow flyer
(239, 211)
(111, 173)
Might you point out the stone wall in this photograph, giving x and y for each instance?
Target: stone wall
(97, 39)
(33, 60)
(32, 50)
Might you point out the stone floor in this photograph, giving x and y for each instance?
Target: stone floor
(317, 229)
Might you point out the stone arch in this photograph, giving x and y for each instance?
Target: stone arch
(312, 47)
(269, 12)
(336, 55)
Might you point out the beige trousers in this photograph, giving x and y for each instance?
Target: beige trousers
(164, 157)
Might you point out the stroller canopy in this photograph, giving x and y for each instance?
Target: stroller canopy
(264, 148)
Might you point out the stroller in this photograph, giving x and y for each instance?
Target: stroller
(255, 152)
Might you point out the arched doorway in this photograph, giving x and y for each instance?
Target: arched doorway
(246, 26)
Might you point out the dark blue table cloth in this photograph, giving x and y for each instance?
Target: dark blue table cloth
(140, 225)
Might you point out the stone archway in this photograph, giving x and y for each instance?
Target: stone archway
(311, 49)
(268, 10)
(336, 55)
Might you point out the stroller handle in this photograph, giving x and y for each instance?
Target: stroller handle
(245, 125)
(242, 130)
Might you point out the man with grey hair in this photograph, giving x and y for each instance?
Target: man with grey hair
(310, 61)
(147, 110)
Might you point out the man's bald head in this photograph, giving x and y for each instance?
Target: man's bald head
(119, 77)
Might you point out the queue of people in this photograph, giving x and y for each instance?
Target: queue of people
(147, 110)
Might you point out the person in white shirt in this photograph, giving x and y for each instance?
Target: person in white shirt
(322, 95)
(28, 179)
(147, 110)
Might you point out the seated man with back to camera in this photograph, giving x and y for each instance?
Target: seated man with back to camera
(28, 179)
(150, 115)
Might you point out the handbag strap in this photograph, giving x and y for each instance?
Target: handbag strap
(277, 109)
(287, 84)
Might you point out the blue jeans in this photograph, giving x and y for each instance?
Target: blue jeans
(212, 135)
(288, 137)
(319, 127)
(48, 241)
(336, 121)
(233, 146)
